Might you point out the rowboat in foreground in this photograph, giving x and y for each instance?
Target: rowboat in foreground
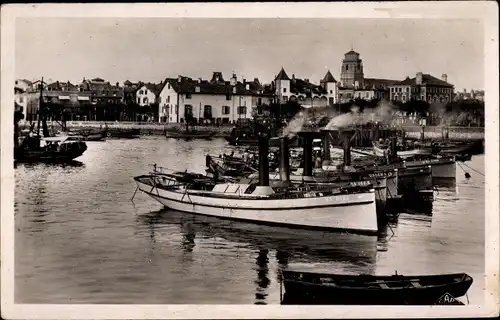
(348, 209)
(321, 288)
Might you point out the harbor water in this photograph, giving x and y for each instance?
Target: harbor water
(80, 239)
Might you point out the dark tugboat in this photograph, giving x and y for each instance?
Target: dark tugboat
(35, 148)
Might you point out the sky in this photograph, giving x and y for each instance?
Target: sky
(151, 49)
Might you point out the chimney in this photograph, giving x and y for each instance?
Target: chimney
(197, 89)
(233, 80)
(306, 80)
(118, 84)
(179, 79)
(418, 79)
(293, 76)
(247, 86)
(444, 77)
(263, 162)
(234, 90)
(284, 160)
(465, 90)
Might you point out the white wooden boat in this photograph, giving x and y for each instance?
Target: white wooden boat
(331, 209)
(381, 150)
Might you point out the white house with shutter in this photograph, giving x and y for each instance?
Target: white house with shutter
(214, 101)
(148, 94)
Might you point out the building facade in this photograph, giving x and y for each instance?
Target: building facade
(305, 92)
(215, 101)
(423, 87)
(148, 94)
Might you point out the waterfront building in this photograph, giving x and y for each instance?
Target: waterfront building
(305, 92)
(216, 101)
(129, 92)
(472, 95)
(21, 88)
(423, 87)
(101, 91)
(148, 94)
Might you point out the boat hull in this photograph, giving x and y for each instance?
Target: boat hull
(441, 168)
(349, 212)
(305, 292)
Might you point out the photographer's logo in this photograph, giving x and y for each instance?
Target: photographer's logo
(448, 299)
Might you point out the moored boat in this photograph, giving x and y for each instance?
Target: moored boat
(383, 150)
(193, 134)
(323, 288)
(50, 149)
(335, 209)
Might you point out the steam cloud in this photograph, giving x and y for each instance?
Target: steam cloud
(382, 114)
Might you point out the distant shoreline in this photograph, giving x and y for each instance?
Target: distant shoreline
(412, 131)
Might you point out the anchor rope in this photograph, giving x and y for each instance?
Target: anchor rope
(469, 168)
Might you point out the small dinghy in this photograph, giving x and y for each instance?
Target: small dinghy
(321, 288)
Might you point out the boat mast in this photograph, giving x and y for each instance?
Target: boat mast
(40, 102)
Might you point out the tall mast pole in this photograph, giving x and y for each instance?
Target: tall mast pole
(40, 102)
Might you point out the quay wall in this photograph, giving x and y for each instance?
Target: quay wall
(454, 133)
(146, 128)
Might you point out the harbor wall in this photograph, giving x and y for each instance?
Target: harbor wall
(146, 128)
(455, 133)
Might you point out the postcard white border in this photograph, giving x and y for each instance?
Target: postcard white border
(485, 11)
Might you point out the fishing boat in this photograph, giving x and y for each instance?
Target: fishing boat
(49, 149)
(383, 150)
(193, 134)
(100, 136)
(336, 209)
(323, 288)
(441, 167)
(122, 133)
(38, 148)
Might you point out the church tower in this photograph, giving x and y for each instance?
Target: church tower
(351, 74)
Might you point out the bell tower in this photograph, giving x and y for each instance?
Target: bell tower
(351, 74)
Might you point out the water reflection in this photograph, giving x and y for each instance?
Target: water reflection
(263, 280)
(316, 245)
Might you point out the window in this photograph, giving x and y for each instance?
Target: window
(228, 97)
(367, 94)
(259, 101)
(285, 98)
(138, 100)
(188, 110)
(21, 99)
(242, 110)
(407, 89)
(207, 112)
(168, 99)
(168, 85)
(346, 67)
(284, 89)
(330, 100)
(404, 98)
(331, 91)
(145, 100)
(422, 97)
(400, 90)
(226, 110)
(188, 95)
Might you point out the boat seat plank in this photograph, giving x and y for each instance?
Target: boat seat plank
(416, 284)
